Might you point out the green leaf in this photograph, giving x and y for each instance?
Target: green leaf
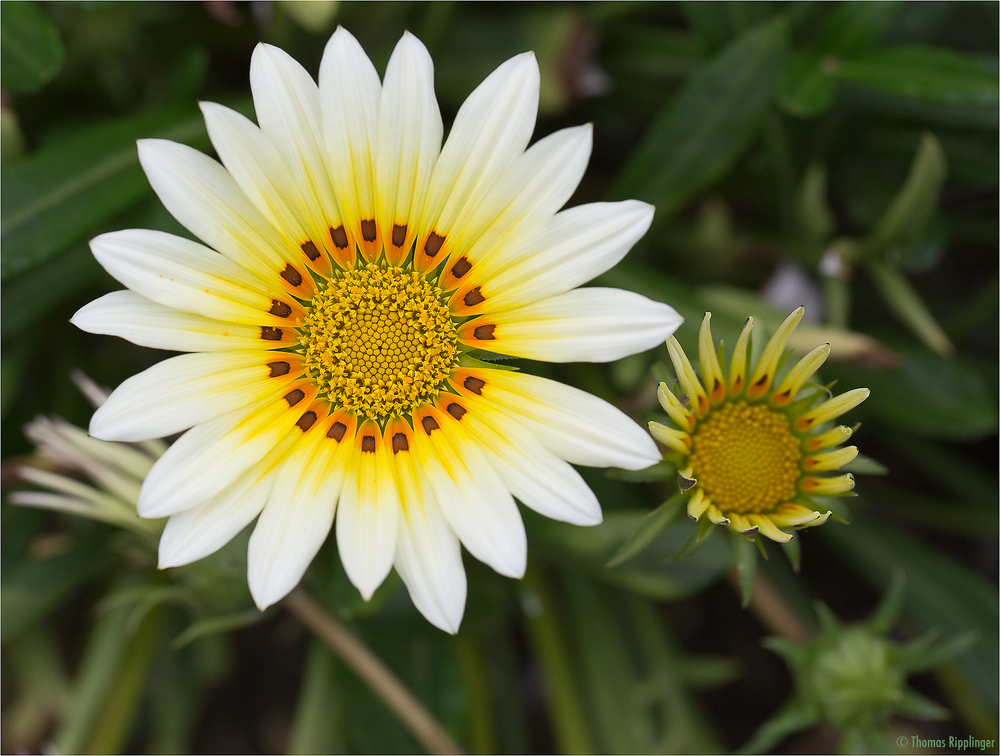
(908, 307)
(649, 573)
(33, 294)
(660, 471)
(708, 125)
(886, 614)
(718, 23)
(928, 395)
(106, 646)
(854, 27)
(31, 52)
(607, 669)
(805, 87)
(932, 74)
(745, 558)
(652, 525)
(31, 589)
(907, 216)
(319, 708)
(116, 717)
(213, 625)
(548, 634)
(68, 190)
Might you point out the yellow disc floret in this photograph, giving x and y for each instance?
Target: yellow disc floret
(746, 458)
(378, 340)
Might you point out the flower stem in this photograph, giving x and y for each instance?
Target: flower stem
(374, 673)
(771, 610)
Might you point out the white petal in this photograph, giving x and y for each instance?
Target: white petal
(573, 247)
(212, 456)
(349, 100)
(583, 325)
(511, 213)
(182, 391)
(195, 533)
(428, 554)
(260, 171)
(490, 132)
(183, 274)
(577, 426)
(472, 496)
(533, 474)
(409, 139)
(293, 525)
(205, 198)
(368, 517)
(146, 323)
(287, 103)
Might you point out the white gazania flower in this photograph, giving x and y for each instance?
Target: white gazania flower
(352, 263)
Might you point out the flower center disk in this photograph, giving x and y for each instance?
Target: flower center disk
(378, 340)
(746, 458)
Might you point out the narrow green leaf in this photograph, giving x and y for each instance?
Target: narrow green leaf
(908, 306)
(99, 667)
(548, 634)
(718, 23)
(655, 572)
(607, 668)
(932, 74)
(31, 589)
(660, 471)
(213, 625)
(928, 395)
(319, 707)
(651, 526)
(745, 559)
(907, 216)
(30, 296)
(805, 87)
(116, 718)
(31, 52)
(482, 721)
(886, 614)
(66, 191)
(852, 28)
(708, 125)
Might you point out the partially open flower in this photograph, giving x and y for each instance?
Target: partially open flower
(752, 450)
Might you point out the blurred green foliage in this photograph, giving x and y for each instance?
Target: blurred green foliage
(844, 155)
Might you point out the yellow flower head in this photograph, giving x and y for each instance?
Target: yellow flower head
(754, 450)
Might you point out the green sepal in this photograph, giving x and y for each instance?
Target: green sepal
(759, 542)
(862, 465)
(466, 360)
(796, 715)
(793, 550)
